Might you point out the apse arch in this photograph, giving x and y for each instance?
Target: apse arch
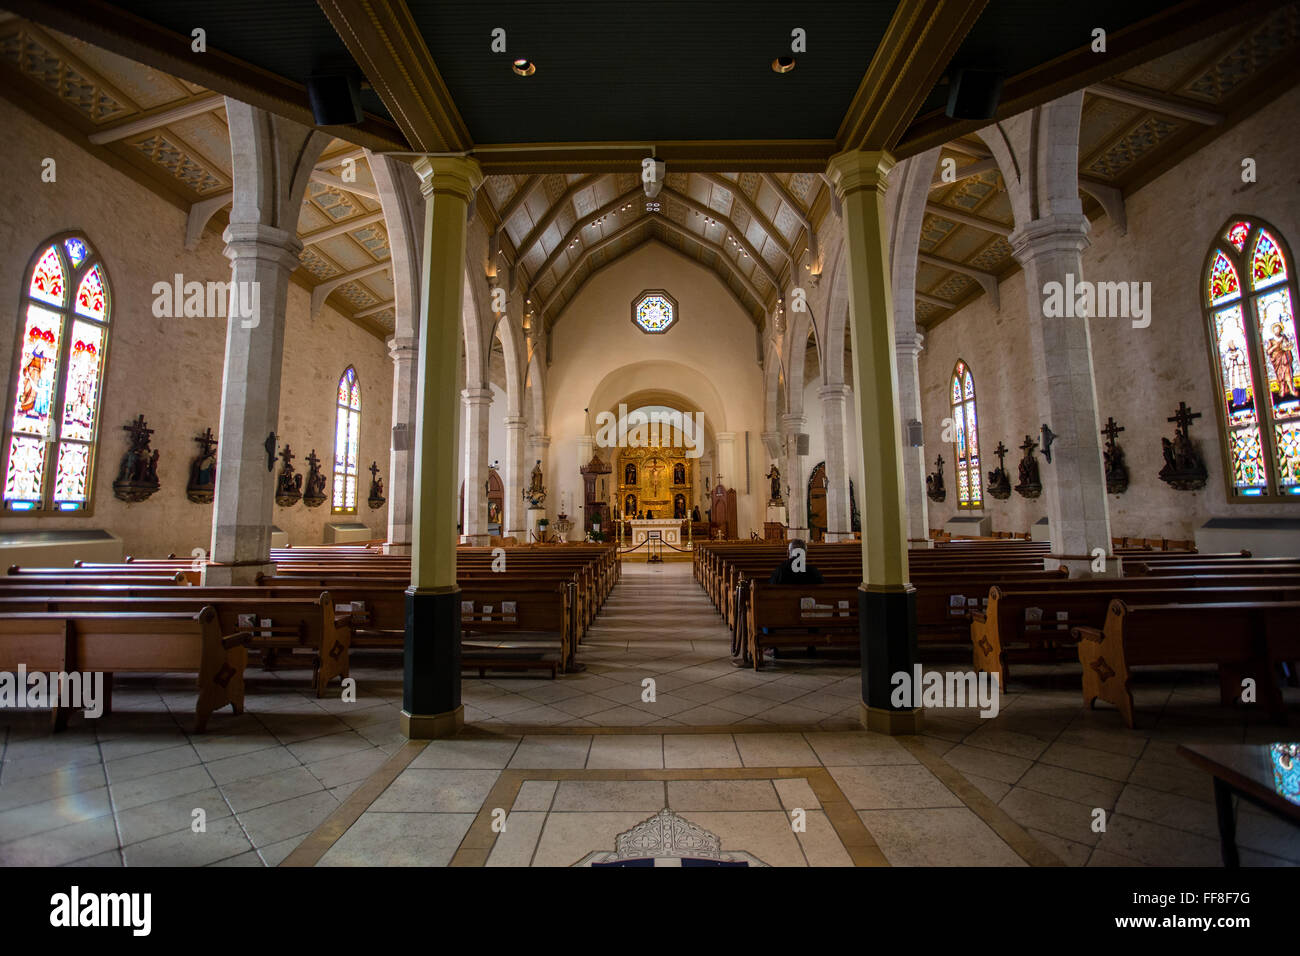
(660, 382)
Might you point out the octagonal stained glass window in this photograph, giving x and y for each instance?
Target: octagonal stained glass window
(654, 312)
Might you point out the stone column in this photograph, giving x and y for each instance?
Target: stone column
(478, 405)
(887, 600)
(431, 705)
(578, 507)
(838, 516)
(271, 160)
(726, 463)
(793, 477)
(1074, 484)
(908, 346)
(401, 457)
(516, 478)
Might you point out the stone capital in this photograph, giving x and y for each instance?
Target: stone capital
(456, 176)
(911, 343)
(794, 422)
(515, 421)
(539, 441)
(471, 397)
(725, 436)
(1058, 233)
(830, 394)
(256, 241)
(402, 348)
(858, 169)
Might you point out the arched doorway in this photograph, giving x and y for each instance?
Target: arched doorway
(495, 492)
(817, 511)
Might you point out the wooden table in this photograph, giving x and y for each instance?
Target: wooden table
(1257, 773)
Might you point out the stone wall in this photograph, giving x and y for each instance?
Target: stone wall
(167, 369)
(1141, 374)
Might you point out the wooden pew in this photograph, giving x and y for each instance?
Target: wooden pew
(1243, 640)
(304, 623)
(533, 631)
(779, 615)
(131, 642)
(1002, 629)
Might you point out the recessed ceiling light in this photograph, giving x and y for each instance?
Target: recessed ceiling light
(527, 67)
(783, 64)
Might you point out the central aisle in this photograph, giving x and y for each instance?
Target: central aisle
(658, 624)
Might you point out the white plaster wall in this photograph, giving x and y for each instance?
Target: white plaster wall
(1141, 374)
(708, 352)
(170, 369)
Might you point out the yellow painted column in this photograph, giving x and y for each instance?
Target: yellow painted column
(431, 705)
(886, 601)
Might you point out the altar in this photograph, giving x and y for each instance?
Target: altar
(668, 529)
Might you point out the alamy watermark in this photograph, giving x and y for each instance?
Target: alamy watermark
(945, 689)
(207, 300)
(657, 428)
(1102, 300)
(39, 690)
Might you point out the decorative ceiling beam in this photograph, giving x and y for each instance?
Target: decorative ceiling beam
(519, 198)
(322, 291)
(1111, 199)
(755, 213)
(730, 226)
(964, 172)
(375, 309)
(1170, 28)
(794, 204)
(933, 300)
(587, 253)
(918, 44)
(329, 162)
(386, 43)
(1159, 102)
(342, 228)
(325, 179)
(200, 215)
(109, 27)
(156, 119)
(682, 156)
(966, 149)
(987, 280)
(535, 234)
(575, 231)
(968, 219)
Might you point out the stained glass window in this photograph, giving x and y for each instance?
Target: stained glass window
(347, 425)
(654, 312)
(1253, 338)
(53, 421)
(966, 440)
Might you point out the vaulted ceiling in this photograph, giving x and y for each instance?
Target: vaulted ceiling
(562, 148)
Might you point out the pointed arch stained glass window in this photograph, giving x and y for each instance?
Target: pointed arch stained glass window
(970, 493)
(1249, 296)
(347, 426)
(54, 406)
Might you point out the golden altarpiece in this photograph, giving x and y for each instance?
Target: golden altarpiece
(654, 482)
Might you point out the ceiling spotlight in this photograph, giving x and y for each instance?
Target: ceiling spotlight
(528, 67)
(783, 64)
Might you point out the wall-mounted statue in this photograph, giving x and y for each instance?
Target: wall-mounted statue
(934, 488)
(1113, 456)
(535, 493)
(313, 495)
(288, 486)
(774, 475)
(679, 474)
(999, 480)
(1029, 486)
(203, 471)
(137, 478)
(376, 498)
(1184, 468)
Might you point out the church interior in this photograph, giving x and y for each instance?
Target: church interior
(528, 435)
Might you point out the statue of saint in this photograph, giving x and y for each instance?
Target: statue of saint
(774, 474)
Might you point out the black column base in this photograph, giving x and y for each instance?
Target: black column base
(431, 665)
(887, 641)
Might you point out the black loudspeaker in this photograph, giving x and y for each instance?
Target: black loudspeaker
(335, 99)
(974, 94)
(801, 444)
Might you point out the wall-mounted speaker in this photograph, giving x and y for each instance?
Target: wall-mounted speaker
(974, 94)
(335, 99)
(915, 438)
(801, 444)
(401, 437)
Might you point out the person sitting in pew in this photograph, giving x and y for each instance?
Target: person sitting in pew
(795, 569)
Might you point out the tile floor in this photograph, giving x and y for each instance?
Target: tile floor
(125, 790)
